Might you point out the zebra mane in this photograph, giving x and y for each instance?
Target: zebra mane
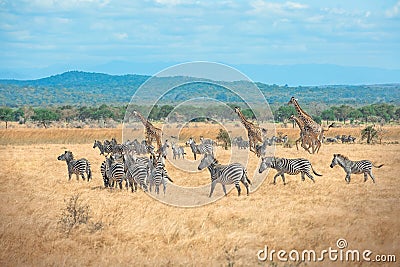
(342, 156)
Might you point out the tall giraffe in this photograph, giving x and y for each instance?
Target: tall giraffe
(308, 139)
(253, 132)
(308, 121)
(151, 131)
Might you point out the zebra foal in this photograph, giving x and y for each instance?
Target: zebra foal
(78, 167)
(233, 173)
(289, 166)
(356, 167)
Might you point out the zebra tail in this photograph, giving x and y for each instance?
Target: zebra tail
(247, 178)
(315, 172)
(377, 166)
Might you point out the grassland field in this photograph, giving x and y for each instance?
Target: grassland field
(133, 229)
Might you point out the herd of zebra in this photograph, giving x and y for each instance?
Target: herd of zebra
(128, 162)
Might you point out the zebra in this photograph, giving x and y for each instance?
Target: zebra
(356, 167)
(207, 141)
(163, 149)
(103, 171)
(77, 167)
(289, 166)
(98, 144)
(159, 175)
(178, 151)
(225, 174)
(200, 148)
(136, 171)
(108, 147)
(115, 171)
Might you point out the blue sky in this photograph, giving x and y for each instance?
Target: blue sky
(59, 35)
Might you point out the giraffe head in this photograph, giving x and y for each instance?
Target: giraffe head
(292, 117)
(237, 109)
(135, 113)
(292, 100)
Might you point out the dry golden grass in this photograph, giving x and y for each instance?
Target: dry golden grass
(138, 230)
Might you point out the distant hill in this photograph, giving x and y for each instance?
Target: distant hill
(86, 88)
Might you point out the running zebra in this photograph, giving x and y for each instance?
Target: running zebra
(200, 148)
(78, 167)
(225, 174)
(356, 167)
(115, 171)
(289, 166)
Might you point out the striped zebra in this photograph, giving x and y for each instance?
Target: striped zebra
(103, 171)
(178, 151)
(356, 167)
(78, 167)
(136, 171)
(158, 174)
(100, 145)
(115, 171)
(200, 148)
(163, 149)
(108, 147)
(289, 166)
(233, 173)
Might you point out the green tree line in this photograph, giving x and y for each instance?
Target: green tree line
(68, 113)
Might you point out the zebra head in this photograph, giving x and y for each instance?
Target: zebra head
(190, 141)
(267, 162)
(334, 160)
(67, 156)
(207, 161)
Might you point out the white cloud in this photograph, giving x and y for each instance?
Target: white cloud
(121, 35)
(260, 6)
(394, 11)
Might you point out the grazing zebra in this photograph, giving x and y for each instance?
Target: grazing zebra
(178, 151)
(98, 144)
(78, 167)
(115, 171)
(356, 167)
(207, 141)
(289, 166)
(225, 174)
(200, 148)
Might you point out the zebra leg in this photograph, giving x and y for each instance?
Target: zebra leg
(224, 188)
(212, 187)
(283, 178)
(164, 186)
(302, 177)
(276, 175)
(310, 176)
(69, 176)
(244, 182)
(238, 188)
(347, 179)
(365, 177)
(372, 176)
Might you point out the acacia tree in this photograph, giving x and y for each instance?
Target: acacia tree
(369, 133)
(6, 115)
(45, 116)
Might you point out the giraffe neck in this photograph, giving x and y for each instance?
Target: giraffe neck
(144, 121)
(299, 123)
(246, 123)
(302, 114)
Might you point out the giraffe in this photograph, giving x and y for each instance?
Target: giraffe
(151, 131)
(253, 131)
(308, 139)
(309, 124)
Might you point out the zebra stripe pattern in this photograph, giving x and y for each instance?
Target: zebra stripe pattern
(200, 148)
(356, 167)
(289, 166)
(77, 167)
(225, 174)
(137, 171)
(115, 171)
(103, 171)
